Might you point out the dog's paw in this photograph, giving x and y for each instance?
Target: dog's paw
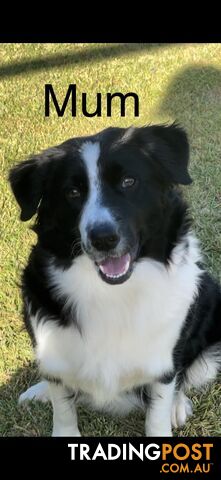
(66, 432)
(181, 410)
(39, 391)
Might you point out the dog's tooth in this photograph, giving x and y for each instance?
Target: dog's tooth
(119, 275)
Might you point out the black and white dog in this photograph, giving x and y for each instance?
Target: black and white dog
(116, 302)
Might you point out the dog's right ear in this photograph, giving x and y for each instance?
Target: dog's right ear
(28, 179)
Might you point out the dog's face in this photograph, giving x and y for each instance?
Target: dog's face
(103, 194)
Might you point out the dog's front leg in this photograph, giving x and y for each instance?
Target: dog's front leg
(158, 417)
(64, 412)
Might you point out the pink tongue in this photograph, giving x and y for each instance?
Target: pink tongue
(115, 266)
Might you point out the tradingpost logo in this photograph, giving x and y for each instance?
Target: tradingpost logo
(179, 458)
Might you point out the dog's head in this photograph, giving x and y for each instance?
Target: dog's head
(103, 194)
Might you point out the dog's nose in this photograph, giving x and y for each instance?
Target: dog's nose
(103, 237)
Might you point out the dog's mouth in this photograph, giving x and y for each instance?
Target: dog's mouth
(115, 270)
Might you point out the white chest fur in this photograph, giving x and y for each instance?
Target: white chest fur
(128, 331)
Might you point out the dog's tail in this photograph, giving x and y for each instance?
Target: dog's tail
(39, 391)
(204, 369)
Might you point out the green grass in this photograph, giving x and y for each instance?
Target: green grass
(180, 82)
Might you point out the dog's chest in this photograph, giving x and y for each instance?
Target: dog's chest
(126, 333)
(106, 360)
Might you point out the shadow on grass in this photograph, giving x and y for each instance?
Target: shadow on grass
(194, 99)
(34, 419)
(85, 55)
(17, 420)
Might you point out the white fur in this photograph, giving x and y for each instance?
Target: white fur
(158, 417)
(122, 405)
(93, 211)
(39, 391)
(181, 409)
(127, 332)
(64, 412)
(205, 368)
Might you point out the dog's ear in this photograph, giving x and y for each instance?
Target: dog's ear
(168, 146)
(28, 179)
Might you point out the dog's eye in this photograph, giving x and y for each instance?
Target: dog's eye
(73, 193)
(128, 182)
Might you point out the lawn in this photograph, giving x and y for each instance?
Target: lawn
(181, 82)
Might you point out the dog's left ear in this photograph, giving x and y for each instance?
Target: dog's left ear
(168, 147)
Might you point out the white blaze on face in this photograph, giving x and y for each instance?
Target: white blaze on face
(93, 211)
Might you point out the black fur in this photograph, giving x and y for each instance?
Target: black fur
(153, 215)
(202, 328)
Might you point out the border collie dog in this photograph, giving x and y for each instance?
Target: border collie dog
(116, 302)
